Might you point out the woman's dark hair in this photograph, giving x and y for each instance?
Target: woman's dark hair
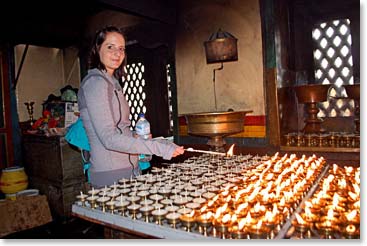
(94, 59)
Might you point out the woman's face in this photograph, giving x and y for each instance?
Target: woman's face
(112, 51)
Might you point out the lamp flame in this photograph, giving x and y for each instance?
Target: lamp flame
(226, 218)
(352, 215)
(242, 223)
(299, 219)
(207, 216)
(234, 218)
(259, 224)
(248, 218)
(268, 216)
(230, 151)
(192, 213)
(353, 196)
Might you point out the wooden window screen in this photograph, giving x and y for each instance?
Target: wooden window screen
(135, 95)
(134, 91)
(169, 85)
(334, 65)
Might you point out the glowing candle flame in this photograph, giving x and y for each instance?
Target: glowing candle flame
(265, 197)
(218, 212)
(202, 210)
(269, 186)
(335, 199)
(327, 223)
(248, 218)
(357, 188)
(353, 195)
(348, 170)
(259, 224)
(342, 183)
(330, 178)
(238, 194)
(269, 216)
(357, 204)
(225, 193)
(269, 176)
(282, 202)
(234, 218)
(299, 219)
(335, 168)
(224, 207)
(241, 207)
(254, 193)
(330, 214)
(226, 218)
(257, 207)
(230, 151)
(241, 224)
(351, 215)
(210, 203)
(309, 174)
(207, 216)
(192, 213)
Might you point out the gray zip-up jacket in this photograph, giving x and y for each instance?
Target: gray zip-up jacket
(105, 115)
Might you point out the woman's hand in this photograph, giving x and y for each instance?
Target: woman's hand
(178, 151)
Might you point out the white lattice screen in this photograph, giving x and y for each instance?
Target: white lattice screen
(135, 94)
(169, 85)
(134, 91)
(334, 65)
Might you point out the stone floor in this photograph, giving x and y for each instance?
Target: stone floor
(71, 228)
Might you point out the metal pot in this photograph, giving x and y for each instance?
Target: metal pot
(216, 125)
(312, 93)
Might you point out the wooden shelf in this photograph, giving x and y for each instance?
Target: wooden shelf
(320, 149)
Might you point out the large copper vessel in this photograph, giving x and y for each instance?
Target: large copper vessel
(312, 93)
(216, 125)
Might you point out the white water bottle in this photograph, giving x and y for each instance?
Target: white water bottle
(142, 128)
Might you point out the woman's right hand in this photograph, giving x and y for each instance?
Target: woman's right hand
(178, 151)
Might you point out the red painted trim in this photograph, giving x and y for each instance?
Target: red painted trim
(255, 120)
(250, 120)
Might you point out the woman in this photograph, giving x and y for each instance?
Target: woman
(105, 114)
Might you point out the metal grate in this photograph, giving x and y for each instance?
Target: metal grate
(334, 65)
(134, 91)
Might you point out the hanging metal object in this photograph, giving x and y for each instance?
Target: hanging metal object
(221, 47)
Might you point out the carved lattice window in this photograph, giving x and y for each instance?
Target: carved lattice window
(169, 85)
(134, 91)
(334, 65)
(135, 94)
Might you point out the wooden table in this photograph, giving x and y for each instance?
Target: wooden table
(130, 228)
